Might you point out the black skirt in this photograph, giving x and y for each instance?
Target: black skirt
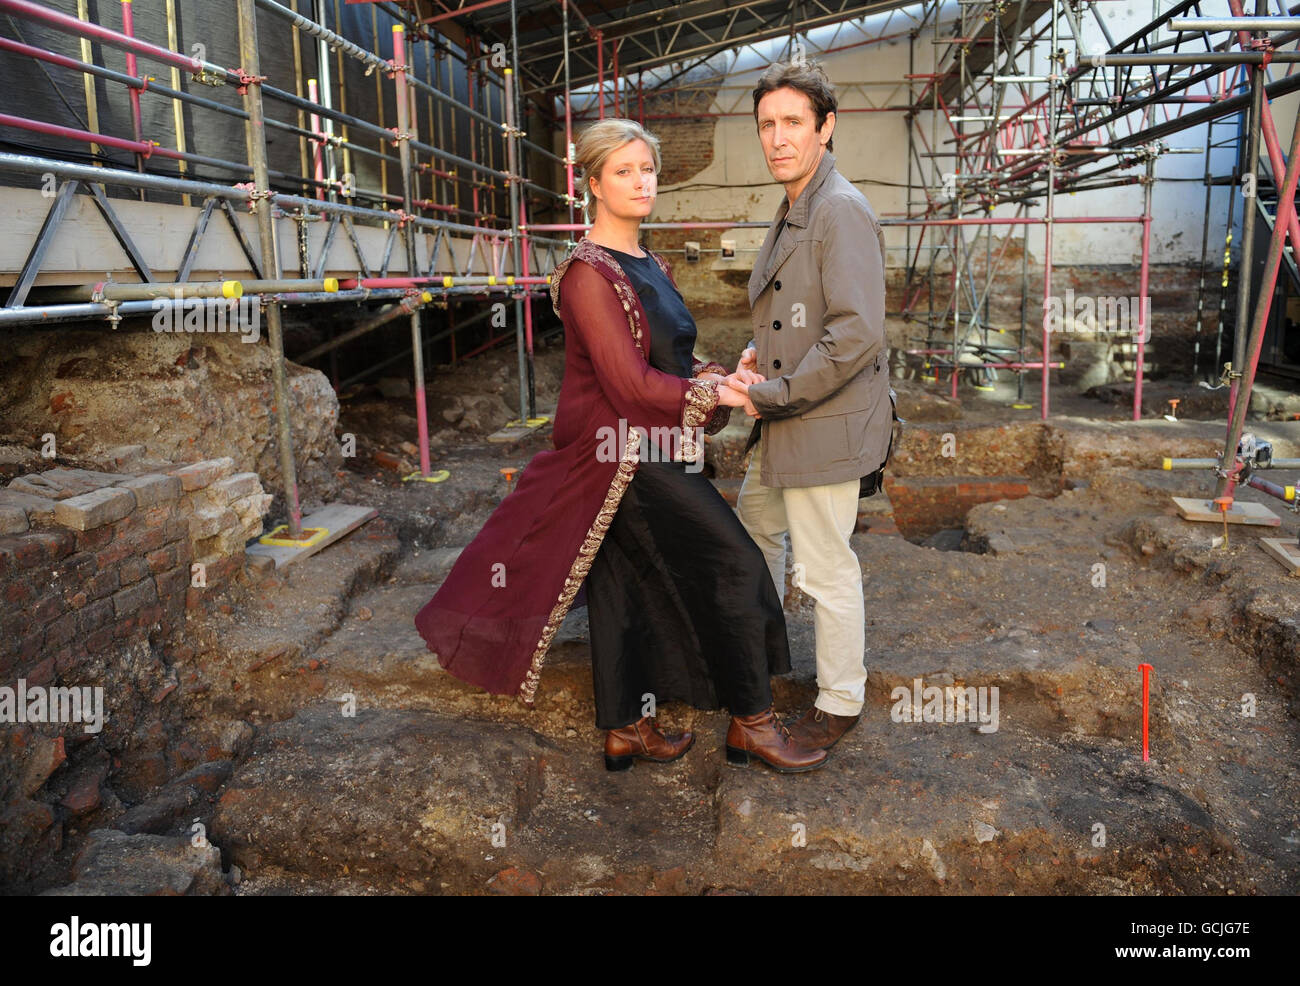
(680, 603)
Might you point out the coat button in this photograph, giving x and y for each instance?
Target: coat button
(776, 364)
(776, 325)
(776, 285)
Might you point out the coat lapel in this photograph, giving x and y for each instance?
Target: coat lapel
(603, 261)
(777, 247)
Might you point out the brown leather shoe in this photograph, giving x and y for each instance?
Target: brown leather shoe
(819, 730)
(764, 737)
(642, 740)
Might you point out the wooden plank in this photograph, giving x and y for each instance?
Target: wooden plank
(1239, 513)
(339, 518)
(1285, 551)
(516, 430)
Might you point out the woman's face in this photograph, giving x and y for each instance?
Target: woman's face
(627, 184)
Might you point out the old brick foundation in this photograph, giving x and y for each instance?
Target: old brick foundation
(97, 570)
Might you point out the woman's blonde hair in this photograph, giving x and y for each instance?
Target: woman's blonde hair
(597, 143)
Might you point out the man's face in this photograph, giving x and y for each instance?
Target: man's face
(787, 128)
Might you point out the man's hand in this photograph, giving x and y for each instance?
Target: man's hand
(736, 390)
(748, 361)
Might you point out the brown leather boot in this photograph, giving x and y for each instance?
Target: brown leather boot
(819, 730)
(642, 740)
(764, 737)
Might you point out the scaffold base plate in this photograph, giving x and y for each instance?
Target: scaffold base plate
(517, 429)
(337, 519)
(1190, 508)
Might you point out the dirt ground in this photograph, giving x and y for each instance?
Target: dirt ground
(1053, 599)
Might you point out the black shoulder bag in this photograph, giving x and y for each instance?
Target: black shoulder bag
(870, 484)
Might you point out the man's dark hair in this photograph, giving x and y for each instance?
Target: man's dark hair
(806, 77)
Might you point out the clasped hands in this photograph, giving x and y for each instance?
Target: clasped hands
(733, 389)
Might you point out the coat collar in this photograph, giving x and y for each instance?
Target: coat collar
(797, 215)
(778, 247)
(605, 264)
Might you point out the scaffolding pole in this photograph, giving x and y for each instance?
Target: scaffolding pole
(255, 138)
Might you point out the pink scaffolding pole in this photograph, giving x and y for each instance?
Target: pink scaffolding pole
(404, 129)
(425, 168)
(912, 265)
(613, 71)
(1034, 365)
(600, 68)
(956, 320)
(525, 279)
(137, 125)
(434, 206)
(473, 146)
(1008, 220)
(580, 227)
(1263, 305)
(1047, 295)
(718, 116)
(1049, 213)
(568, 114)
(143, 148)
(445, 15)
(1269, 133)
(485, 281)
(7, 44)
(317, 154)
(86, 29)
(1143, 287)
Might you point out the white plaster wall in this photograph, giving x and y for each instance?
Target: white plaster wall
(871, 150)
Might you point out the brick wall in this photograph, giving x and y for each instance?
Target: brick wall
(685, 143)
(923, 505)
(97, 570)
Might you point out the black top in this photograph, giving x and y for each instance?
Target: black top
(672, 330)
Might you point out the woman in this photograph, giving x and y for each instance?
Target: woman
(680, 602)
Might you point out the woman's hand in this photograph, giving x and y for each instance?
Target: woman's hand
(734, 390)
(738, 383)
(729, 397)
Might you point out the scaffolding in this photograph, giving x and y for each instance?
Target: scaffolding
(498, 256)
(988, 131)
(1073, 126)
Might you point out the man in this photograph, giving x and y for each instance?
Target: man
(817, 295)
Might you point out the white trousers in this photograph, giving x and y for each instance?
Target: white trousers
(819, 520)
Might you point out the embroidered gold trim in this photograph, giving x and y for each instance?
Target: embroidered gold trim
(556, 276)
(701, 399)
(597, 256)
(663, 264)
(709, 367)
(582, 563)
(632, 306)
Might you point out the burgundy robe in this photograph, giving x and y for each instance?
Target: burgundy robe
(492, 620)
